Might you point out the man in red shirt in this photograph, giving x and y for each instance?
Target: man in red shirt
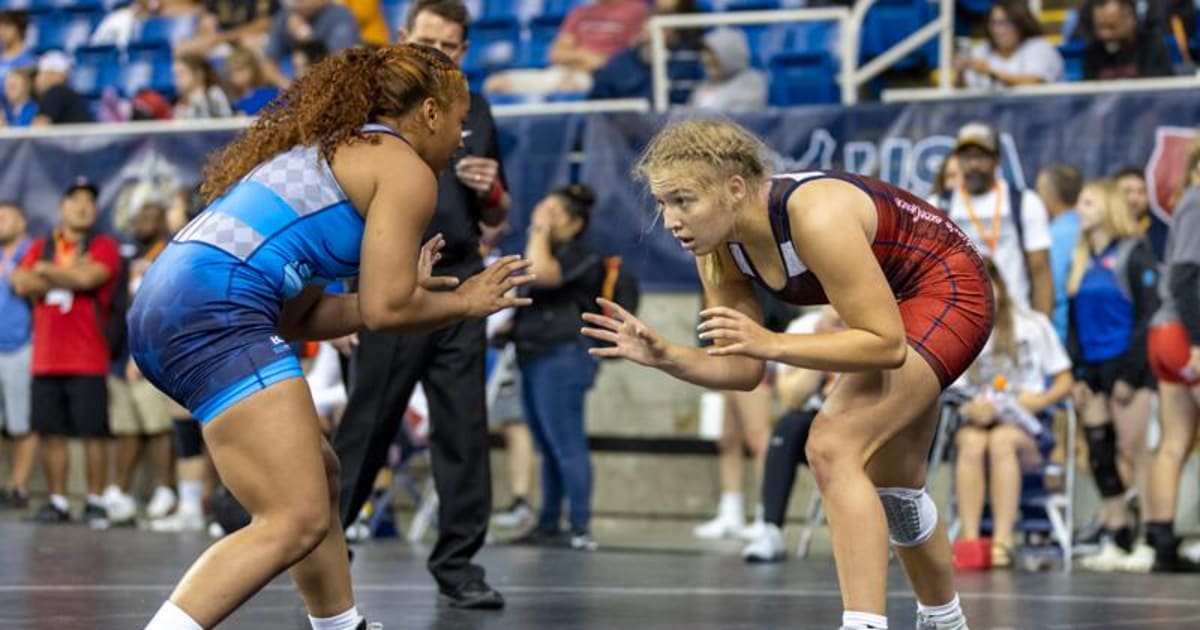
(70, 275)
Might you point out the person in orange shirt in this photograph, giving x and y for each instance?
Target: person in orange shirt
(373, 27)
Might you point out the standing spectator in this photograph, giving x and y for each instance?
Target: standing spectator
(947, 180)
(1120, 47)
(588, 37)
(235, 22)
(19, 108)
(58, 102)
(1175, 358)
(71, 274)
(1058, 185)
(732, 85)
(138, 412)
(449, 362)
(1007, 225)
(1014, 53)
(200, 95)
(1025, 357)
(249, 88)
(556, 369)
(371, 25)
(15, 357)
(1112, 288)
(1131, 181)
(13, 52)
(627, 73)
(120, 26)
(311, 20)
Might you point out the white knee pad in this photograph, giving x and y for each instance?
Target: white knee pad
(911, 515)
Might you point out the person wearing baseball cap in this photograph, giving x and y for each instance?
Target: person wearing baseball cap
(58, 102)
(1007, 224)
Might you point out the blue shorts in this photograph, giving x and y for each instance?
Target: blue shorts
(203, 328)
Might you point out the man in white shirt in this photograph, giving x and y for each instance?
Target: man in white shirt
(983, 208)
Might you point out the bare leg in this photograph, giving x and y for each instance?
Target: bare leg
(730, 448)
(54, 463)
(970, 478)
(23, 450)
(1094, 412)
(864, 413)
(270, 454)
(159, 446)
(520, 458)
(1132, 418)
(1005, 448)
(1179, 418)
(128, 449)
(96, 450)
(754, 413)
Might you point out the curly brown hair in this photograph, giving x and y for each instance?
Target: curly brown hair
(329, 106)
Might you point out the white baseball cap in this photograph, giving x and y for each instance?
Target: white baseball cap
(55, 61)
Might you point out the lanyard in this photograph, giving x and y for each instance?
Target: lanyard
(61, 255)
(992, 238)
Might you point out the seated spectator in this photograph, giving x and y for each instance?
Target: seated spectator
(800, 393)
(1006, 387)
(731, 85)
(181, 8)
(588, 37)
(199, 95)
(1113, 296)
(556, 369)
(1015, 53)
(307, 55)
(248, 86)
(19, 107)
(233, 22)
(58, 103)
(120, 26)
(1131, 181)
(311, 20)
(13, 52)
(372, 27)
(1120, 47)
(627, 74)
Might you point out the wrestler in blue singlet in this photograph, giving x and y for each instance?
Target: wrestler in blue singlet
(204, 325)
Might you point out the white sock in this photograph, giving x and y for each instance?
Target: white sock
(946, 613)
(60, 502)
(852, 620)
(732, 506)
(191, 496)
(172, 617)
(348, 620)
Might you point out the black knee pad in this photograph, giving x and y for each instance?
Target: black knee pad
(791, 433)
(189, 440)
(1102, 455)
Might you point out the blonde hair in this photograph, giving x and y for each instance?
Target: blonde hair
(708, 152)
(1115, 218)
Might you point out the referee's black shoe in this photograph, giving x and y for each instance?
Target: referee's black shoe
(472, 595)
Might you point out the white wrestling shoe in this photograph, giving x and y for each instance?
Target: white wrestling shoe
(925, 623)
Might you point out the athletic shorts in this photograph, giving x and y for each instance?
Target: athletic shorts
(70, 406)
(1102, 376)
(949, 318)
(136, 408)
(1169, 351)
(204, 338)
(16, 382)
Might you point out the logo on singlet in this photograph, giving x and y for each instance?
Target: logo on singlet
(277, 340)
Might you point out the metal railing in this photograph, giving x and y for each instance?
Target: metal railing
(849, 22)
(908, 95)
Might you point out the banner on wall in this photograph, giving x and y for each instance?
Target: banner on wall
(901, 143)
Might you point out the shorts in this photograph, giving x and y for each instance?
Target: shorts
(16, 382)
(204, 335)
(1102, 376)
(1169, 352)
(948, 319)
(136, 408)
(189, 439)
(70, 406)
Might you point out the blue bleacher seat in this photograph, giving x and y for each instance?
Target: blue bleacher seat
(171, 30)
(96, 67)
(751, 5)
(1072, 54)
(146, 66)
(46, 5)
(889, 22)
(560, 7)
(494, 45)
(799, 78)
(535, 49)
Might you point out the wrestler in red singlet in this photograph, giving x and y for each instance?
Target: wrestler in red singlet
(933, 268)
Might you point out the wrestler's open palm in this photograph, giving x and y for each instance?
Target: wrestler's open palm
(431, 253)
(629, 337)
(488, 291)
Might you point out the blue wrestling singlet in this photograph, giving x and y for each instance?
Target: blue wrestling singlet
(203, 327)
